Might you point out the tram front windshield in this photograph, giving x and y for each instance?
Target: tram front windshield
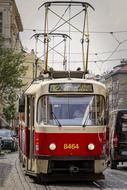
(71, 110)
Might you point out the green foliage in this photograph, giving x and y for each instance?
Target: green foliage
(9, 109)
(9, 112)
(10, 96)
(11, 71)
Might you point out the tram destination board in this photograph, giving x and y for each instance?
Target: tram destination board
(71, 87)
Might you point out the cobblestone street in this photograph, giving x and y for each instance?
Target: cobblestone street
(12, 178)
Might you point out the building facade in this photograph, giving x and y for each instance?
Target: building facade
(34, 67)
(116, 82)
(10, 24)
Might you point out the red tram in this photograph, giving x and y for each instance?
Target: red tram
(53, 139)
(63, 127)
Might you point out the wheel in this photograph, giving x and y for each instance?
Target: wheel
(113, 164)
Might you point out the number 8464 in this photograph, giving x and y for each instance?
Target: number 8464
(71, 146)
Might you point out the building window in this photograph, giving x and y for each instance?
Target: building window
(1, 22)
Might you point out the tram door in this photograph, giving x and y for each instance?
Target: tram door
(30, 124)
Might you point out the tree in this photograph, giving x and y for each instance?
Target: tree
(10, 112)
(11, 73)
(9, 109)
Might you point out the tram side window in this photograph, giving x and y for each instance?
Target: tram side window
(97, 110)
(100, 110)
(41, 114)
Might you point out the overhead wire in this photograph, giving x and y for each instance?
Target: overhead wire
(96, 61)
(114, 51)
(99, 53)
(99, 67)
(94, 32)
(57, 26)
(114, 37)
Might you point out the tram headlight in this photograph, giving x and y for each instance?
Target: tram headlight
(52, 146)
(91, 146)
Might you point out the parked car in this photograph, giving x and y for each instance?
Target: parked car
(8, 140)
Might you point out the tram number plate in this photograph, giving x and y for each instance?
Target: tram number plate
(124, 153)
(71, 146)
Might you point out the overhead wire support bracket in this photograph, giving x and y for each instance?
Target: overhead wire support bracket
(65, 36)
(51, 34)
(84, 32)
(64, 3)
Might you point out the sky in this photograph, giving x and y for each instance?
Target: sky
(107, 26)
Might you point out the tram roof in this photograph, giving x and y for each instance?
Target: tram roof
(37, 85)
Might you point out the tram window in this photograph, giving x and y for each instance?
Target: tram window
(62, 108)
(41, 115)
(100, 110)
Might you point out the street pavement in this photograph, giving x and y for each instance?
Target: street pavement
(12, 177)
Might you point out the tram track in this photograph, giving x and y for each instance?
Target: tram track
(95, 183)
(47, 187)
(102, 185)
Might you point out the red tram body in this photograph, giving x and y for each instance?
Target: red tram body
(63, 128)
(53, 142)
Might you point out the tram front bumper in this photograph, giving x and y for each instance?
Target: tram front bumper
(70, 166)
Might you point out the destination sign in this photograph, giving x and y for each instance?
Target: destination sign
(71, 87)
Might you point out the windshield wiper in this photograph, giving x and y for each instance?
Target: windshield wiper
(84, 124)
(54, 117)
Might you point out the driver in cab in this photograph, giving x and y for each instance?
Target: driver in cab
(79, 113)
